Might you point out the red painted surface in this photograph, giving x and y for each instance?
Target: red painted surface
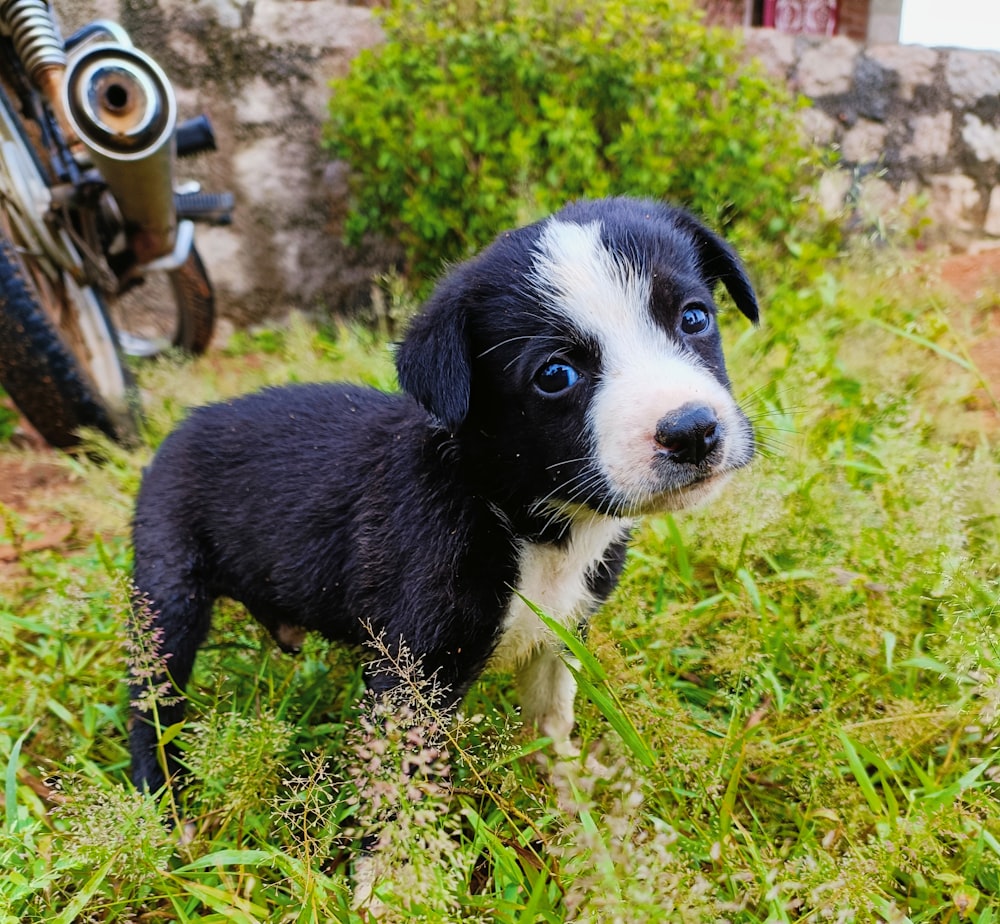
(813, 17)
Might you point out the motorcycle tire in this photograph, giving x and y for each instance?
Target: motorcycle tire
(54, 385)
(169, 309)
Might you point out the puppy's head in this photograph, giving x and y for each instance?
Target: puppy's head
(579, 364)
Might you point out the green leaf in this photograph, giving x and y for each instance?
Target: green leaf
(80, 899)
(228, 858)
(10, 782)
(233, 906)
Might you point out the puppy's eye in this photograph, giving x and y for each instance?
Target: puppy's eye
(555, 378)
(695, 319)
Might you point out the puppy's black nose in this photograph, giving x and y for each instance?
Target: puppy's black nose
(688, 434)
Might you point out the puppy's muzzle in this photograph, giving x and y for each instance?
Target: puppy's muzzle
(689, 434)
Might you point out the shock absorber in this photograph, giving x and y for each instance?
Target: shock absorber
(35, 36)
(37, 42)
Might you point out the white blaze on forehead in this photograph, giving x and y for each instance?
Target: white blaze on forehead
(597, 292)
(645, 375)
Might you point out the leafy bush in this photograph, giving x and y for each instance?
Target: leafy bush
(476, 115)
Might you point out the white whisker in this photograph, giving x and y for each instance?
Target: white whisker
(509, 340)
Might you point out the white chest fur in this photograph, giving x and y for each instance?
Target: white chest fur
(555, 580)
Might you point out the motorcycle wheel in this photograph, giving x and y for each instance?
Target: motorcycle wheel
(59, 359)
(169, 308)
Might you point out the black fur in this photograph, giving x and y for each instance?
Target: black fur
(348, 511)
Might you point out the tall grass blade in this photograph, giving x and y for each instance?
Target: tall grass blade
(968, 780)
(72, 911)
(861, 776)
(226, 903)
(10, 782)
(928, 344)
(222, 858)
(729, 797)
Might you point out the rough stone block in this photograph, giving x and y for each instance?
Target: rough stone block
(230, 14)
(315, 94)
(276, 175)
(303, 260)
(864, 143)
(827, 68)
(983, 139)
(223, 250)
(834, 185)
(319, 23)
(260, 102)
(972, 75)
(931, 137)
(188, 49)
(72, 14)
(878, 201)
(874, 89)
(818, 126)
(775, 50)
(954, 200)
(913, 65)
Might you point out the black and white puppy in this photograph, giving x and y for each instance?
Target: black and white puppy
(565, 381)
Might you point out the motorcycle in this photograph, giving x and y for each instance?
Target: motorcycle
(97, 253)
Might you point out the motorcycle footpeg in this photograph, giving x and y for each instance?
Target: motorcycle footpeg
(206, 208)
(193, 136)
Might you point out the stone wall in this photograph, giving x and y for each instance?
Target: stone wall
(917, 129)
(909, 122)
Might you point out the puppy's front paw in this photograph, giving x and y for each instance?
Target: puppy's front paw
(290, 638)
(558, 725)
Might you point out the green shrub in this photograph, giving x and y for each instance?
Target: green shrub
(477, 115)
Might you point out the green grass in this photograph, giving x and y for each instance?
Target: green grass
(789, 710)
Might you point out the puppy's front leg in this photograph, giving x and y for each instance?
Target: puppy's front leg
(547, 689)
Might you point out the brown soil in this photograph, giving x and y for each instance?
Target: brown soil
(973, 275)
(975, 279)
(31, 485)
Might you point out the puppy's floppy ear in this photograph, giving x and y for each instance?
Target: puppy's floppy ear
(433, 362)
(720, 263)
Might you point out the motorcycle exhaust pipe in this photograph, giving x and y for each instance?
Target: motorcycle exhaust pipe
(120, 104)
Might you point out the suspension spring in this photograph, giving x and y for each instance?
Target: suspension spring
(34, 33)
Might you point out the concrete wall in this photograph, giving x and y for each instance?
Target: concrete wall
(909, 122)
(884, 19)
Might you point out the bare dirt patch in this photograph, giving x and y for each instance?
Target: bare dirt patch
(975, 280)
(973, 275)
(31, 485)
(25, 478)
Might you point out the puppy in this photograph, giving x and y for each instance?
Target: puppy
(565, 381)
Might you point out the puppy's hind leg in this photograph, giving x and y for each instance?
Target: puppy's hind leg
(169, 622)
